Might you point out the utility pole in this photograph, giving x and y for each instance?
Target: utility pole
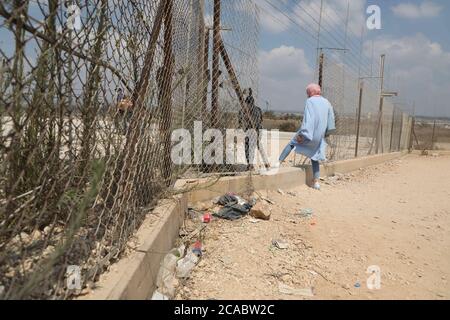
(345, 53)
(186, 68)
(215, 65)
(433, 135)
(319, 29)
(358, 127)
(392, 128)
(400, 134)
(359, 66)
(321, 61)
(380, 119)
(204, 62)
(166, 101)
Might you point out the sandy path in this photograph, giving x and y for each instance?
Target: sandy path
(395, 215)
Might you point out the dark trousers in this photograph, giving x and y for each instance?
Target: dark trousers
(250, 149)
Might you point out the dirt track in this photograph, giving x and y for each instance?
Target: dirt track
(395, 215)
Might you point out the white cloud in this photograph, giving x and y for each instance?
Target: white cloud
(306, 13)
(272, 20)
(408, 10)
(420, 67)
(284, 73)
(334, 13)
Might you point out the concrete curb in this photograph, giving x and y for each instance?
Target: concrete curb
(430, 152)
(347, 166)
(134, 277)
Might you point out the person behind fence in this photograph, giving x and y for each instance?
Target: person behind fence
(318, 123)
(125, 109)
(120, 95)
(250, 120)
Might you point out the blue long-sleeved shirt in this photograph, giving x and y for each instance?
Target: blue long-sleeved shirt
(318, 119)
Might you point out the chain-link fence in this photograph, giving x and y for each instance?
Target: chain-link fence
(361, 128)
(90, 95)
(431, 134)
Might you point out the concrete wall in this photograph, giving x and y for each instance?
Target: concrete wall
(134, 277)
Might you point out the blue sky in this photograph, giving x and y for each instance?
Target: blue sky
(415, 36)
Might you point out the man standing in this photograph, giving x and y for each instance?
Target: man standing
(250, 120)
(125, 111)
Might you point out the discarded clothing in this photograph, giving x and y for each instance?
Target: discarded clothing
(233, 212)
(227, 199)
(234, 208)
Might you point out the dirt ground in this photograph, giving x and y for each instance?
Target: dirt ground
(395, 216)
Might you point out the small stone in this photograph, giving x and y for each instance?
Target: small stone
(280, 244)
(261, 211)
(202, 263)
(11, 273)
(280, 191)
(49, 250)
(24, 237)
(58, 230)
(286, 278)
(28, 265)
(2, 290)
(338, 176)
(306, 213)
(36, 235)
(47, 230)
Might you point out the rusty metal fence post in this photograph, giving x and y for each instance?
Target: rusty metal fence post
(358, 127)
(166, 103)
(433, 136)
(215, 65)
(379, 136)
(400, 147)
(321, 62)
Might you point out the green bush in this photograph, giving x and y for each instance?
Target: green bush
(288, 126)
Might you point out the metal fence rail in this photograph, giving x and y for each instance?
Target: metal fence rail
(363, 125)
(430, 134)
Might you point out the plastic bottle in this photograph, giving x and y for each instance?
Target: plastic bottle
(185, 265)
(166, 281)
